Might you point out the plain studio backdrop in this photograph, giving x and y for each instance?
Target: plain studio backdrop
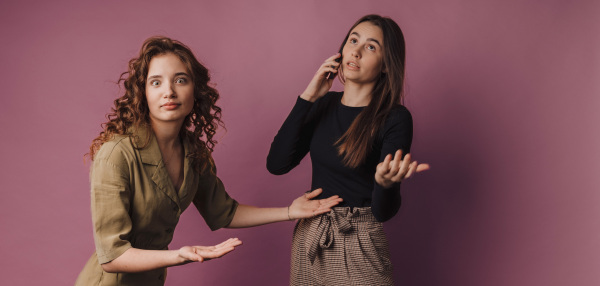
(504, 96)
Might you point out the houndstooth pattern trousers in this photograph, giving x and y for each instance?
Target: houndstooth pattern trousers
(346, 246)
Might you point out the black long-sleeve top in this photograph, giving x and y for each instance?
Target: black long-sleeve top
(315, 127)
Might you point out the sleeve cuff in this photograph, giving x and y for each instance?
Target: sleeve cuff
(113, 254)
(226, 221)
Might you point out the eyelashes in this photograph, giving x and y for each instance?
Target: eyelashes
(369, 47)
(181, 80)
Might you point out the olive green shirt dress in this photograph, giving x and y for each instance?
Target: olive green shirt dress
(134, 204)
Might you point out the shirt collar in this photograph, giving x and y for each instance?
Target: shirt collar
(143, 138)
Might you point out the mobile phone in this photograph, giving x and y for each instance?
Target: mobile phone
(339, 60)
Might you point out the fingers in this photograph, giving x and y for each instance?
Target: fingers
(330, 202)
(328, 70)
(321, 211)
(231, 241)
(313, 194)
(395, 164)
(394, 171)
(331, 62)
(334, 57)
(218, 250)
(403, 169)
(415, 167)
(384, 167)
(411, 169)
(325, 205)
(422, 167)
(405, 165)
(321, 83)
(305, 207)
(330, 66)
(334, 198)
(215, 253)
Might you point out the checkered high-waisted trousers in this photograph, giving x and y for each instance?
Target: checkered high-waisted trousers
(343, 247)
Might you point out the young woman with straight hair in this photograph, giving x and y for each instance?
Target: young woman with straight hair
(359, 141)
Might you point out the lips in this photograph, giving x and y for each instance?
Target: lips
(352, 66)
(170, 105)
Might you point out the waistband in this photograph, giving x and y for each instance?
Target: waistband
(338, 221)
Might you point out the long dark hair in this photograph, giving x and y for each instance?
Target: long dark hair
(131, 110)
(356, 143)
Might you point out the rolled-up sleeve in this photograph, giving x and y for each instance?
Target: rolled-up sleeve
(110, 209)
(212, 201)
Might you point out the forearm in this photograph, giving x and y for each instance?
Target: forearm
(386, 202)
(139, 260)
(248, 216)
(292, 141)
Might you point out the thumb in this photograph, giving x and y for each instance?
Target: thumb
(422, 167)
(196, 256)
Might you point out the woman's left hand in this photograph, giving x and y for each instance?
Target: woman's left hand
(394, 171)
(304, 207)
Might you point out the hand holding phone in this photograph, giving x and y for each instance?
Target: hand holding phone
(322, 79)
(339, 60)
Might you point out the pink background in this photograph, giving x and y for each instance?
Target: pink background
(504, 96)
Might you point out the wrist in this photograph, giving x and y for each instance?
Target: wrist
(389, 184)
(178, 259)
(309, 97)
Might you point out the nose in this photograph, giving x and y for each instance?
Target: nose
(169, 91)
(355, 52)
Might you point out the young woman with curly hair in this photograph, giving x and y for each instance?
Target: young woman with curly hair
(152, 160)
(356, 139)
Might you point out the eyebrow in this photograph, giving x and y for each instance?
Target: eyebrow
(177, 74)
(368, 39)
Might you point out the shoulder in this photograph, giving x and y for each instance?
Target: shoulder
(398, 128)
(399, 115)
(328, 100)
(332, 96)
(398, 121)
(118, 152)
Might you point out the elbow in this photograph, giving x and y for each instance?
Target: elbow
(385, 214)
(276, 171)
(276, 168)
(383, 217)
(119, 264)
(109, 267)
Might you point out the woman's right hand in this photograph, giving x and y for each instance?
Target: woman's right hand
(203, 253)
(320, 84)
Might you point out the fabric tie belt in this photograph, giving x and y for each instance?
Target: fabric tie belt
(330, 223)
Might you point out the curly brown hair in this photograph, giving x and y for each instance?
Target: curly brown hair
(131, 110)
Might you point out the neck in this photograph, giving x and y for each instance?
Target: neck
(167, 134)
(356, 94)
